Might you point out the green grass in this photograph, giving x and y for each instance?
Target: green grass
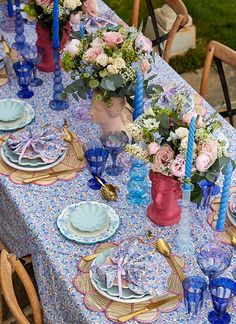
(214, 19)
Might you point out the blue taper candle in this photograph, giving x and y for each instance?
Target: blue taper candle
(224, 198)
(138, 96)
(55, 25)
(10, 8)
(189, 155)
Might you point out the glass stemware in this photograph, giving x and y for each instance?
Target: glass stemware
(114, 143)
(209, 189)
(96, 160)
(23, 72)
(222, 292)
(194, 289)
(214, 259)
(32, 55)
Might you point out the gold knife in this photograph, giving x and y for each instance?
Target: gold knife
(45, 176)
(125, 318)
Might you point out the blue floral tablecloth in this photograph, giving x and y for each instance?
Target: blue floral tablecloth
(28, 213)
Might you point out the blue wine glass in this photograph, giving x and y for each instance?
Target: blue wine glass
(96, 160)
(194, 290)
(31, 54)
(209, 189)
(114, 143)
(222, 292)
(24, 72)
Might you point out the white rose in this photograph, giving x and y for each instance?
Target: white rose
(184, 142)
(97, 42)
(110, 60)
(119, 63)
(72, 47)
(102, 60)
(181, 132)
(71, 4)
(112, 69)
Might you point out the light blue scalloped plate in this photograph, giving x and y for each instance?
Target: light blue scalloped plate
(27, 117)
(89, 217)
(66, 228)
(11, 109)
(128, 296)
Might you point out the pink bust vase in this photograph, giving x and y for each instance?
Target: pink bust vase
(111, 118)
(44, 45)
(164, 210)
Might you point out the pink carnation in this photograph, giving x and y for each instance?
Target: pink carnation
(152, 148)
(207, 156)
(143, 43)
(44, 3)
(177, 167)
(90, 7)
(163, 157)
(112, 38)
(92, 53)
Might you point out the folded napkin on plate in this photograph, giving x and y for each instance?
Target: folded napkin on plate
(46, 142)
(135, 265)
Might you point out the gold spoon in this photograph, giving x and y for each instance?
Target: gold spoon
(90, 257)
(69, 139)
(108, 191)
(163, 247)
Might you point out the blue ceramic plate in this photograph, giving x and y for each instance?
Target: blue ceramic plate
(27, 117)
(11, 109)
(89, 216)
(72, 233)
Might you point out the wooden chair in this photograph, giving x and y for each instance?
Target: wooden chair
(8, 264)
(220, 53)
(180, 21)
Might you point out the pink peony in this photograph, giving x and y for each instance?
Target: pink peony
(44, 3)
(163, 157)
(90, 7)
(145, 66)
(112, 38)
(92, 53)
(207, 156)
(75, 19)
(188, 116)
(143, 43)
(152, 148)
(177, 167)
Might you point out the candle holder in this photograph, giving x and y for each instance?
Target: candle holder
(57, 103)
(19, 43)
(7, 18)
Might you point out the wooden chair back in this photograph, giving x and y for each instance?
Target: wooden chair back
(180, 21)
(219, 53)
(8, 264)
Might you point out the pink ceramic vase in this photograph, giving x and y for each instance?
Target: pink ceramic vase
(110, 118)
(164, 210)
(44, 45)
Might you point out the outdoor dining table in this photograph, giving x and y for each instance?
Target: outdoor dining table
(28, 213)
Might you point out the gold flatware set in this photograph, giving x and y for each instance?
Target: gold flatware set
(48, 175)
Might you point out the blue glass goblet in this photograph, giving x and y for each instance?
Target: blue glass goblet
(214, 259)
(194, 289)
(96, 160)
(31, 54)
(209, 189)
(24, 71)
(114, 143)
(222, 292)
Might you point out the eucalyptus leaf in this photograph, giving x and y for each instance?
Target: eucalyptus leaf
(73, 87)
(82, 93)
(196, 194)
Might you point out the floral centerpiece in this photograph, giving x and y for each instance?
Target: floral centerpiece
(160, 136)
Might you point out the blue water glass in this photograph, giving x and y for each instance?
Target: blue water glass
(209, 189)
(222, 292)
(138, 186)
(214, 259)
(114, 143)
(194, 290)
(96, 160)
(24, 72)
(32, 55)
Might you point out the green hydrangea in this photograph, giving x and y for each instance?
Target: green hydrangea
(67, 62)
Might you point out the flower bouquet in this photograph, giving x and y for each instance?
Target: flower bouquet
(160, 136)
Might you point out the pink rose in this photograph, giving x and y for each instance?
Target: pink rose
(44, 3)
(145, 66)
(177, 167)
(75, 19)
(90, 7)
(92, 53)
(163, 157)
(152, 148)
(72, 47)
(188, 116)
(143, 43)
(112, 38)
(207, 156)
